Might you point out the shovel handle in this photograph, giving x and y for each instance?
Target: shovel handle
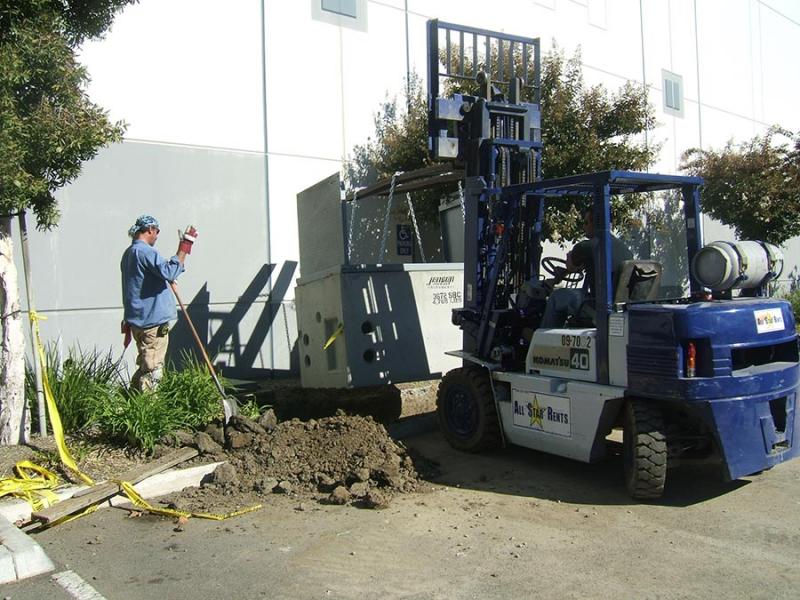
(207, 360)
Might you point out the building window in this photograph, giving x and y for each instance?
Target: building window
(346, 8)
(673, 93)
(344, 13)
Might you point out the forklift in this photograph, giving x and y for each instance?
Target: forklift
(706, 372)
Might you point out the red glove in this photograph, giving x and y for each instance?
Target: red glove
(188, 239)
(125, 329)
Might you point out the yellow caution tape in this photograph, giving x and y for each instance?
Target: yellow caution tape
(140, 502)
(334, 335)
(33, 484)
(55, 420)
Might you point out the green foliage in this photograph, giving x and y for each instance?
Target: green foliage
(185, 399)
(191, 393)
(139, 419)
(400, 142)
(794, 299)
(88, 393)
(252, 409)
(754, 186)
(584, 129)
(49, 126)
(80, 385)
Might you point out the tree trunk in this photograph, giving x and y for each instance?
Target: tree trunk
(14, 415)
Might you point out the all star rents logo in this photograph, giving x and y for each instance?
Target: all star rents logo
(541, 412)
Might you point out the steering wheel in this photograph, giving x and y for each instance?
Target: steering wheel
(557, 268)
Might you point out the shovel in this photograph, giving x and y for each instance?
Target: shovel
(229, 405)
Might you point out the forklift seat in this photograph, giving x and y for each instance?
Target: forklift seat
(637, 280)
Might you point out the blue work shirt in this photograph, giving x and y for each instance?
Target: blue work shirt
(146, 295)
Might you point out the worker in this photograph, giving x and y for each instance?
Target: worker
(147, 298)
(564, 302)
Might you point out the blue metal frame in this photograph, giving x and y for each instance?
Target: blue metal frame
(600, 187)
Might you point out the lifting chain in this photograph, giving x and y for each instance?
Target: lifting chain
(386, 219)
(461, 200)
(416, 227)
(353, 206)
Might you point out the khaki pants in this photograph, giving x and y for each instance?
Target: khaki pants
(152, 346)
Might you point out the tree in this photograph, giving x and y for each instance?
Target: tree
(48, 128)
(754, 186)
(583, 129)
(400, 142)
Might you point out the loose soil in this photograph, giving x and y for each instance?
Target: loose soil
(312, 445)
(342, 459)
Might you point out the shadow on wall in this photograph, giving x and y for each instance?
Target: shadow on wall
(240, 352)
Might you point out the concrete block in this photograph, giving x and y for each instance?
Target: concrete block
(20, 510)
(168, 482)
(29, 558)
(7, 571)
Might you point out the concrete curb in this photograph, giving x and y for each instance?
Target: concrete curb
(22, 557)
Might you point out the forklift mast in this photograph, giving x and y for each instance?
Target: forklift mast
(487, 118)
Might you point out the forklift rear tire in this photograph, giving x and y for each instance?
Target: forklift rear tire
(644, 449)
(466, 410)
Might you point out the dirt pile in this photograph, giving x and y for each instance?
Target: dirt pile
(342, 459)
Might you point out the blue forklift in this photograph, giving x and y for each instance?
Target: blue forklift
(707, 370)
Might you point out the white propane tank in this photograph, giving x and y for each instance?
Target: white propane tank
(724, 266)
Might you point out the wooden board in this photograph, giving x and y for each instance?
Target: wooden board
(102, 491)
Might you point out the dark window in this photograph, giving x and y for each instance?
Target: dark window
(673, 93)
(346, 8)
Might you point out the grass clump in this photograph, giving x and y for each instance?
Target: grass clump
(79, 384)
(91, 395)
(185, 399)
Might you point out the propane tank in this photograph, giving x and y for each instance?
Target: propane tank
(723, 266)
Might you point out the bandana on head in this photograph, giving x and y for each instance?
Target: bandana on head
(143, 223)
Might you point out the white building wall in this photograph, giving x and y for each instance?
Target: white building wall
(194, 80)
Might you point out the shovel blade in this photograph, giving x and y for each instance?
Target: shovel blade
(230, 407)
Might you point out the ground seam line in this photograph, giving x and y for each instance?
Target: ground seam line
(76, 587)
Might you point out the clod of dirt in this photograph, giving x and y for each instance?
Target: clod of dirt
(268, 420)
(359, 489)
(338, 459)
(376, 499)
(265, 485)
(245, 425)
(339, 495)
(237, 439)
(180, 439)
(225, 474)
(283, 487)
(217, 433)
(205, 444)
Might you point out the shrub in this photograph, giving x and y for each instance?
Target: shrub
(88, 391)
(185, 399)
(138, 418)
(79, 385)
(191, 392)
(793, 298)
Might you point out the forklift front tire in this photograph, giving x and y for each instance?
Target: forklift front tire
(466, 410)
(644, 449)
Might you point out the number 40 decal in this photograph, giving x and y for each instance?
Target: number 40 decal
(579, 359)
